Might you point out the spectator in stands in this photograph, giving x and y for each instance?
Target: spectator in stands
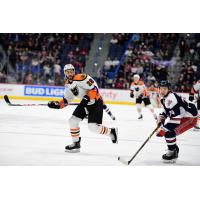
(57, 73)
(30, 53)
(129, 51)
(47, 71)
(119, 84)
(28, 79)
(114, 39)
(23, 48)
(107, 64)
(115, 62)
(144, 55)
(57, 68)
(2, 77)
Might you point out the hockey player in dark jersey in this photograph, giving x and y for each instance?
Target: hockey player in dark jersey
(182, 117)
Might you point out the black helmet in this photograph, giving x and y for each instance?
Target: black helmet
(164, 83)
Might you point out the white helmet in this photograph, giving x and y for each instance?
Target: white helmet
(136, 76)
(68, 66)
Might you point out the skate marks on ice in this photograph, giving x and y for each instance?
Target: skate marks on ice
(32, 136)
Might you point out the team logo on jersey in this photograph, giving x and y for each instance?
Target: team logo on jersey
(169, 102)
(75, 91)
(137, 89)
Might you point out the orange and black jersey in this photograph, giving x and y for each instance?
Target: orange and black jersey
(139, 89)
(153, 91)
(81, 85)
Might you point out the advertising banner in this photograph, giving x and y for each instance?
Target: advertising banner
(42, 92)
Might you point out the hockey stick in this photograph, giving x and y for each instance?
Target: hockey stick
(7, 100)
(129, 161)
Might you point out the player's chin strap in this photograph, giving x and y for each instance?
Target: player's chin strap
(129, 161)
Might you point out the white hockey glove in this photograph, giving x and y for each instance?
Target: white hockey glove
(161, 120)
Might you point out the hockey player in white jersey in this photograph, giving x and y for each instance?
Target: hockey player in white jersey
(139, 91)
(84, 87)
(196, 91)
(182, 117)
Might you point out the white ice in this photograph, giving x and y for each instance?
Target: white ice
(38, 135)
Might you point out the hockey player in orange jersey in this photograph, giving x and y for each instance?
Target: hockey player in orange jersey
(85, 88)
(139, 91)
(154, 95)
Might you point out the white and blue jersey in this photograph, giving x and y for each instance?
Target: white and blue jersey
(176, 107)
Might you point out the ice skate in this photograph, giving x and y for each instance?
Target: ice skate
(140, 117)
(74, 147)
(171, 156)
(114, 135)
(196, 128)
(113, 117)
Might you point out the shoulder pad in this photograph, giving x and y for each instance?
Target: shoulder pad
(80, 77)
(140, 83)
(170, 101)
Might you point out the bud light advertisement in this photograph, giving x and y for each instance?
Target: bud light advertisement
(45, 91)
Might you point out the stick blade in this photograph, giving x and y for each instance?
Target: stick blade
(123, 161)
(6, 99)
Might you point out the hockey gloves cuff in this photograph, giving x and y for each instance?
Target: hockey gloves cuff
(161, 132)
(131, 95)
(161, 120)
(57, 104)
(191, 98)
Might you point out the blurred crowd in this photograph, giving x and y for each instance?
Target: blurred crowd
(148, 55)
(190, 62)
(39, 58)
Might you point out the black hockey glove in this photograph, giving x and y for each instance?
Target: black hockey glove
(140, 97)
(84, 101)
(58, 104)
(54, 104)
(191, 97)
(131, 95)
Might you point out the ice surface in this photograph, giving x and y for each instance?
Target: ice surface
(37, 136)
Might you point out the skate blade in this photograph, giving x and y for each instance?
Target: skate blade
(72, 151)
(123, 161)
(196, 129)
(117, 135)
(170, 161)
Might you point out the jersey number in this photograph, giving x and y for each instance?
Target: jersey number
(90, 82)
